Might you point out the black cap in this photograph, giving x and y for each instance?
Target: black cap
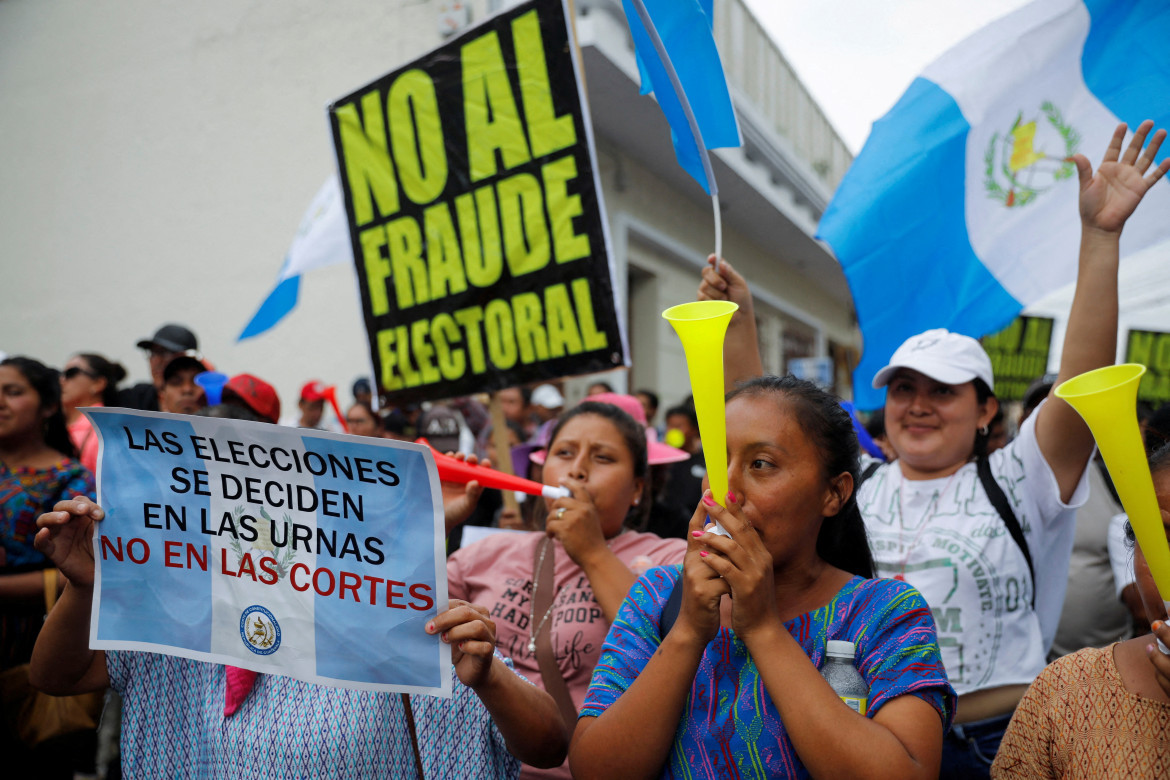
(187, 359)
(172, 338)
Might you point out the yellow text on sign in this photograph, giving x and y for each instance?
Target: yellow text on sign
(527, 328)
(522, 222)
(399, 143)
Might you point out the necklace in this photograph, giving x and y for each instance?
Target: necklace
(552, 602)
(544, 545)
(936, 499)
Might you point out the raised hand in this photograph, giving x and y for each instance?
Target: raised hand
(721, 282)
(66, 538)
(741, 351)
(1110, 196)
(472, 636)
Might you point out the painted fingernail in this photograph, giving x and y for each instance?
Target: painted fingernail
(444, 635)
(1157, 625)
(708, 501)
(703, 554)
(431, 627)
(731, 496)
(461, 644)
(696, 534)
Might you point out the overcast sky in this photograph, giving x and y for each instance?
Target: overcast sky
(858, 56)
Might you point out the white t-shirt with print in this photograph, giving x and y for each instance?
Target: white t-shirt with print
(945, 538)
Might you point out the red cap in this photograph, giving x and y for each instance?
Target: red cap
(258, 395)
(313, 390)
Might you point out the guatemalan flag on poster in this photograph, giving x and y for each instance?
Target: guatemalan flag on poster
(962, 207)
(281, 550)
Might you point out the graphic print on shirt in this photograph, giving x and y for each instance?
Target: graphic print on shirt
(573, 608)
(945, 541)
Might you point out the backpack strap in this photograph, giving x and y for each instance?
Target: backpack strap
(999, 500)
(866, 474)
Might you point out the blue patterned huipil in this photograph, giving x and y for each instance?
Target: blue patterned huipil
(173, 726)
(729, 726)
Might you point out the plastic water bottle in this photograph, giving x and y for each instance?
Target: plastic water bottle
(843, 677)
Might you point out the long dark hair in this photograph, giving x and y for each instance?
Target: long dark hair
(842, 541)
(47, 384)
(108, 370)
(634, 436)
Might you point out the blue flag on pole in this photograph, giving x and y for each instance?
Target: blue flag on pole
(962, 207)
(322, 239)
(685, 29)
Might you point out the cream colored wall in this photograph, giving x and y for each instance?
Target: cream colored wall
(158, 157)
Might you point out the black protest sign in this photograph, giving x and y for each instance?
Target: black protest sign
(1151, 348)
(1019, 355)
(475, 214)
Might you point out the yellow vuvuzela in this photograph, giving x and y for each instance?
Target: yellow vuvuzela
(1107, 399)
(701, 326)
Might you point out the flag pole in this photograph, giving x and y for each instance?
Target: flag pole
(704, 156)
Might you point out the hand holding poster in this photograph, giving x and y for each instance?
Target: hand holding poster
(282, 550)
(475, 214)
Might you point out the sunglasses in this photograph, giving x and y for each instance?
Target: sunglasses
(74, 371)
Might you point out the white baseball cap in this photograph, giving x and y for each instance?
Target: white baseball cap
(950, 358)
(548, 397)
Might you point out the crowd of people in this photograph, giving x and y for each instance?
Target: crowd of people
(612, 632)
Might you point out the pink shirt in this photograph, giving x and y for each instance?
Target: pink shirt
(497, 573)
(85, 439)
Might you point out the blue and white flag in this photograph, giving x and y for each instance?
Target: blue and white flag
(962, 207)
(322, 239)
(685, 29)
(282, 550)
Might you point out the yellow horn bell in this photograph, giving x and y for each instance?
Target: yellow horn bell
(1107, 399)
(702, 326)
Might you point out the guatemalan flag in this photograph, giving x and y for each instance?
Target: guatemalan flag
(685, 29)
(322, 239)
(962, 207)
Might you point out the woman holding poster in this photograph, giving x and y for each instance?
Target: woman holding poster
(183, 717)
(553, 594)
(38, 466)
(987, 538)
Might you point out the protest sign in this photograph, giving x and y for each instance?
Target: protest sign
(475, 215)
(1151, 348)
(297, 552)
(1019, 355)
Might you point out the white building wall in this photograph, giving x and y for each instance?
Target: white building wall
(159, 156)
